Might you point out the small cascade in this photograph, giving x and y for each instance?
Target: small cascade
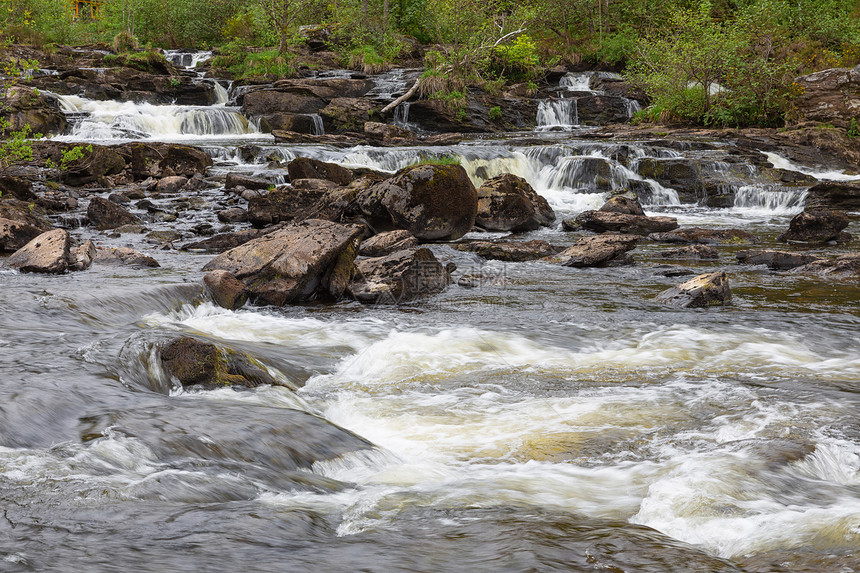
(389, 85)
(576, 82)
(187, 60)
(401, 115)
(319, 128)
(775, 198)
(557, 114)
(221, 95)
(780, 162)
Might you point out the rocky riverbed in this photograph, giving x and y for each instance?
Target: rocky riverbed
(268, 323)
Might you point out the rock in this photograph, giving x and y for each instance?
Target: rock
(225, 241)
(476, 280)
(154, 159)
(702, 291)
(238, 180)
(123, 256)
(171, 184)
(387, 132)
(387, 243)
(609, 221)
(777, 260)
(597, 251)
(509, 251)
(815, 225)
(623, 204)
(233, 215)
(293, 264)
(97, 162)
(307, 95)
(24, 106)
(295, 122)
(47, 253)
(194, 362)
(836, 195)
(165, 236)
(400, 277)
(508, 203)
(845, 266)
(106, 214)
(226, 290)
(349, 114)
(16, 234)
(683, 175)
(306, 168)
(831, 96)
(295, 203)
(602, 109)
(705, 236)
(433, 202)
(691, 252)
(16, 187)
(82, 257)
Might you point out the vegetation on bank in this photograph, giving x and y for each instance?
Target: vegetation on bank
(710, 62)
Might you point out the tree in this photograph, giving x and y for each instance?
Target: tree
(282, 15)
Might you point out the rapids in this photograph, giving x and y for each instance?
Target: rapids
(553, 419)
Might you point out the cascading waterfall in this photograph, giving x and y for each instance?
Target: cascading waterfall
(576, 82)
(773, 198)
(401, 115)
(557, 114)
(319, 128)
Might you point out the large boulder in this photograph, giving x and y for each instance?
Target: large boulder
(47, 253)
(623, 204)
(309, 260)
(105, 214)
(226, 290)
(508, 203)
(197, 363)
(348, 114)
(509, 251)
(158, 159)
(433, 202)
(777, 260)
(711, 289)
(387, 243)
(597, 251)
(304, 199)
(24, 106)
(815, 225)
(307, 168)
(831, 96)
(16, 234)
(836, 195)
(302, 95)
(96, 162)
(403, 276)
(608, 221)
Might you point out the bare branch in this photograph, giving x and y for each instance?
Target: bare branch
(403, 98)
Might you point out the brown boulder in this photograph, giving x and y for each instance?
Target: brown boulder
(47, 253)
(610, 221)
(16, 234)
(82, 257)
(705, 236)
(233, 215)
(843, 267)
(831, 96)
(508, 203)
(226, 290)
(305, 198)
(97, 162)
(24, 106)
(815, 225)
(836, 195)
(306, 168)
(238, 180)
(171, 184)
(123, 256)
(387, 132)
(509, 251)
(194, 362)
(387, 243)
(293, 264)
(597, 251)
(224, 241)
(691, 252)
(622, 204)
(777, 260)
(400, 277)
(105, 214)
(710, 289)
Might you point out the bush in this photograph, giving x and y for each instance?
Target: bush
(124, 42)
(515, 62)
(495, 113)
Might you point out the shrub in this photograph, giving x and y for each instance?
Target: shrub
(495, 113)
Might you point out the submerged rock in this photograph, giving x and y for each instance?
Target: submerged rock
(123, 256)
(705, 236)
(105, 214)
(843, 267)
(710, 289)
(598, 251)
(691, 252)
(387, 243)
(196, 363)
(47, 253)
(777, 260)
(815, 225)
(403, 276)
(508, 203)
(510, 251)
(296, 263)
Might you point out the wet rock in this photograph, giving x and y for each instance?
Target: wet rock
(597, 251)
(403, 276)
(233, 215)
(16, 234)
(387, 132)
(105, 214)
(836, 195)
(165, 236)
(225, 241)
(508, 203)
(710, 289)
(608, 221)
(477, 280)
(16, 187)
(82, 257)
(509, 251)
(305, 96)
(387, 243)
(433, 202)
(47, 253)
(235, 180)
(623, 204)
(777, 260)
(194, 362)
(226, 290)
(295, 122)
(24, 106)
(348, 114)
(155, 159)
(306, 168)
(705, 236)
(831, 96)
(133, 229)
(691, 252)
(293, 264)
(845, 266)
(602, 109)
(96, 163)
(815, 225)
(306, 198)
(171, 184)
(123, 256)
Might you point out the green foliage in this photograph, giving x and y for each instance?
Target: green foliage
(495, 113)
(853, 128)
(16, 146)
(439, 160)
(73, 154)
(241, 63)
(515, 62)
(124, 42)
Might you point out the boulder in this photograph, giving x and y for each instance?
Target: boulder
(683, 175)
(387, 132)
(156, 159)
(24, 106)
(815, 225)
(710, 289)
(602, 109)
(402, 276)
(295, 122)
(433, 202)
(508, 203)
(233, 215)
(82, 257)
(831, 96)
(302, 95)
(705, 236)
(16, 234)
(691, 252)
(609, 221)
(597, 251)
(123, 256)
(306, 168)
(238, 180)
(226, 290)
(16, 187)
(306, 198)
(836, 195)
(105, 214)
(845, 266)
(623, 204)
(387, 243)
(777, 260)
(349, 114)
(225, 241)
(509, 251)
(197, 363)
(299, 262)
(47, 253)
(97, 162)
(171, 184)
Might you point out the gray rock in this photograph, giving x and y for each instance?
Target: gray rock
(123, 256)
(777, 260)
(403, 276)
(691, 252)
(387, 243)
(82, 257)
(47, 253)
(710, 289)
(597, 251)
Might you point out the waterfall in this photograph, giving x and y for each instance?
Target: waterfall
(221, 95)
(318, 128)
(576, 82)
(401, 115)
(780, 200)
(187, 60)
(559, 114)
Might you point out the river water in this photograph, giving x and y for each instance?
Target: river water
(553, 419)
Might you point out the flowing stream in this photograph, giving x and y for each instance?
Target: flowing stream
(551, 419)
